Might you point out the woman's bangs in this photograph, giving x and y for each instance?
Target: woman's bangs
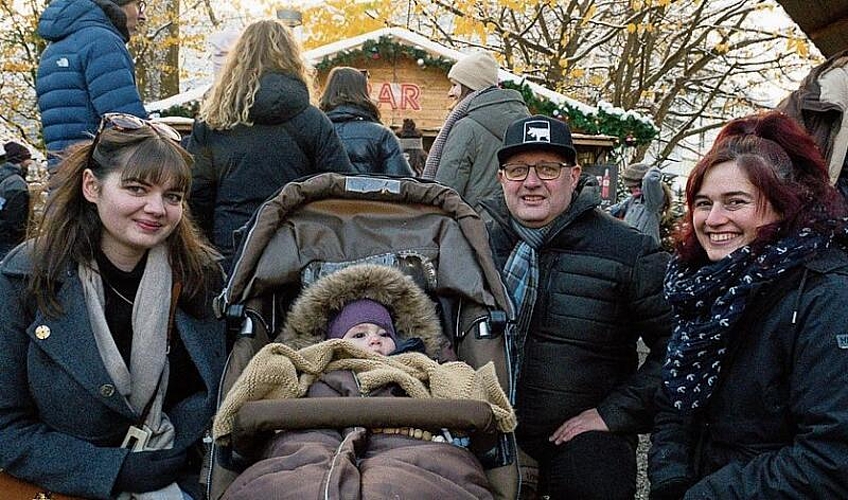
(158, 162)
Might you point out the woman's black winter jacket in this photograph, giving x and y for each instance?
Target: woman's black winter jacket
(371, 147)
(776, 426)
(235, 170)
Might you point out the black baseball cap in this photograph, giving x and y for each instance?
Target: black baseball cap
(538, 133)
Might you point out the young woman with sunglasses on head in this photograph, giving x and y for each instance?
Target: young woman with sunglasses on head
(110, 355)
(754, 401)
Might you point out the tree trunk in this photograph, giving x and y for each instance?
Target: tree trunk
(157, 52)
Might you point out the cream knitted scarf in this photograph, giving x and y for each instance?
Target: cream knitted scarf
(149, 361)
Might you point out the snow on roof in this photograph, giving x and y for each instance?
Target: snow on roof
(183, 97)
(402, 35)
(437, 49)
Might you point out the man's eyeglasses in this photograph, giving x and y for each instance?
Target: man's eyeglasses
(545, 170)
(142, 6)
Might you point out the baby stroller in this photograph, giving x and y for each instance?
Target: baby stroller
(315, 227)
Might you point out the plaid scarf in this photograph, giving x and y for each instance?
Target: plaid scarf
(521, 277)
(707, 302)
(460, 111)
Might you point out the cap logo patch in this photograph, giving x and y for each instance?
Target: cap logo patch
(537, 131)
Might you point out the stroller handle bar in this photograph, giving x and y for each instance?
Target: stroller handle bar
(335, 413)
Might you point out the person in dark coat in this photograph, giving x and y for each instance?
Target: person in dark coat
(86, 70)
(371, 146)
(257, 131)
(755, 384)
(14, 196)
(586, 287)
(109, 351)
(412, 143)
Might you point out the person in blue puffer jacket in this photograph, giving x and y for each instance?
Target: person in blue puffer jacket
(86, 70)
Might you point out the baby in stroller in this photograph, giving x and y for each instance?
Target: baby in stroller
(364, 312)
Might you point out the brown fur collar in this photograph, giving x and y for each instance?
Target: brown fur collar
(413, 311)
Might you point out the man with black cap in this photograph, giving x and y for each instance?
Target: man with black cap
(14, 196)
(586, 287)
(86, 70)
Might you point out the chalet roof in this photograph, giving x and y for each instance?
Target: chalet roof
(402, 36)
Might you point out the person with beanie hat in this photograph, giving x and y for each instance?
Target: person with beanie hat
(14, 196)
(463, 156)
(16, 153)
(366, 323)
(362, 461)
(649, 200)
(475, 72)
(86, 70)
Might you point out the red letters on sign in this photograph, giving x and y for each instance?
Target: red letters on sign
(410, 93)
(400, 96)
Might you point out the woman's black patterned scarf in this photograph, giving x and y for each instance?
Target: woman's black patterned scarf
(708, 301)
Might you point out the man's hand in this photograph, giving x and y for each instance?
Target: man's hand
(589, 420)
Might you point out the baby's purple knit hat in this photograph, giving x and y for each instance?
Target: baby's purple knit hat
(358, 312)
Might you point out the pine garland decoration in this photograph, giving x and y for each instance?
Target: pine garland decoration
(629, 127)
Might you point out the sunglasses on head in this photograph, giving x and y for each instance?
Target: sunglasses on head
(124, 122)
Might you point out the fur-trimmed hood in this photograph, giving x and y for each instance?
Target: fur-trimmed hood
(413, 312)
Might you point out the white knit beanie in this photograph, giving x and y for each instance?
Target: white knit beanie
(476, 71)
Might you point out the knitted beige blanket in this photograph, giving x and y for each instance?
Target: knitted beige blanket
(278, 372)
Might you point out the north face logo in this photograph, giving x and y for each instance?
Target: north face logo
(537, 131)
(62, 62)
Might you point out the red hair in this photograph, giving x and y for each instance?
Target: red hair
(783, 162)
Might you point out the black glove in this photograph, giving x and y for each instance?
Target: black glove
(149, 470)
(670, 490)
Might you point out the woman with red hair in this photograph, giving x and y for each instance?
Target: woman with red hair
(755, 384)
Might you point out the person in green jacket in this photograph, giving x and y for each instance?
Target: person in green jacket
(464, 154)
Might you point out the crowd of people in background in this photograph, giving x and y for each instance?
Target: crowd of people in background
(112, 356)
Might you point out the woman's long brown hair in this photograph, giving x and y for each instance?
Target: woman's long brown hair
(70, 230)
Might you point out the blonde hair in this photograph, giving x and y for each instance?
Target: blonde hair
(265, 46)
